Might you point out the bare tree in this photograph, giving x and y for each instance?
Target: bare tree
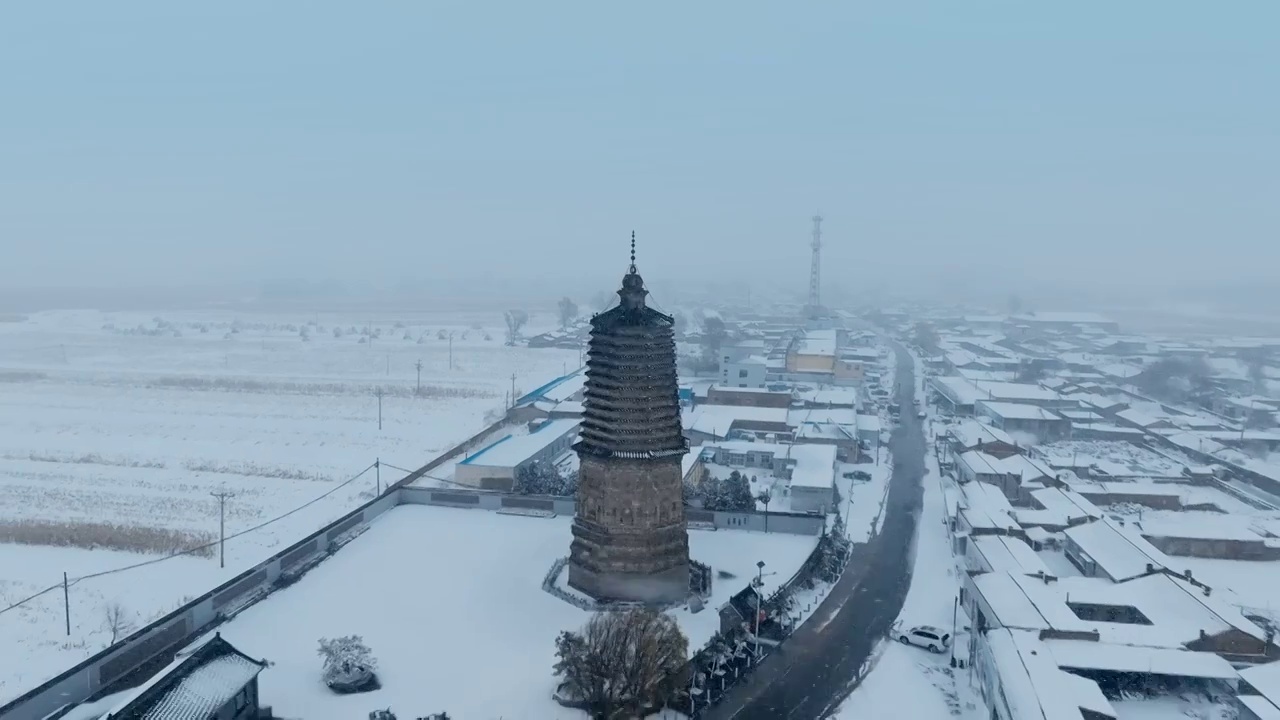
(515, 320)
(116, 620)
(622, 664)
(568, 311)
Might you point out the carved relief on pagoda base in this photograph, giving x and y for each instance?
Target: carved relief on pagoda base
(630, 495)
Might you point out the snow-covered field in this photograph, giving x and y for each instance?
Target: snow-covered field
(469, 631)
(131, 420)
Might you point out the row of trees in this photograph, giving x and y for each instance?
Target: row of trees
(543, 478)
(730, 494)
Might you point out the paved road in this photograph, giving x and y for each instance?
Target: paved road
(814, 671)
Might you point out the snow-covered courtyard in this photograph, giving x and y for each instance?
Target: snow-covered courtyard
(451, 603)
(116, 427)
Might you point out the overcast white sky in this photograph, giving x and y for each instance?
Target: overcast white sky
(173, 143)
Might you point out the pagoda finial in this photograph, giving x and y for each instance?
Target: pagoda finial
(633, 251)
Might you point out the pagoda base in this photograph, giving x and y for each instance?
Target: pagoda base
(665, 587)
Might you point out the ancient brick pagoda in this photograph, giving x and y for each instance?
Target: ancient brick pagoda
(629, 535)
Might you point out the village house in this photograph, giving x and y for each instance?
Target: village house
(1045, 425)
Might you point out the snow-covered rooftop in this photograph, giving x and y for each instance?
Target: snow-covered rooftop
(1117, 458)
(815, 466)
(206, 689)
(1266, 680)
(717, 419)
(972, 433)
(1009, 554)
(1034, 687)
(985, 507)
(837, 416)
(515, 449)
(1118, 550)
(1068, 503)
(1111, 657)
(1014, 391)
(817, 342)
(1204, 526)
(1016, 411)
(830, 396)
(1177, 611)
(869, 423)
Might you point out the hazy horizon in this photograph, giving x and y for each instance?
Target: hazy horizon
(981, 150)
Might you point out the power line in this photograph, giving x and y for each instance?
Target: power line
(26, 600)
(233, 536)
(195, 549)
(424, 475)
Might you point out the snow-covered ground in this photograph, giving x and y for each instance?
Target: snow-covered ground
(1115, 458)
(132, 420)
(468, 630)
(906, 681)
(862, 501)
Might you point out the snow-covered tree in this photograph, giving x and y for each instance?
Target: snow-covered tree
(348, 661)
(735, 493)
(543, 478)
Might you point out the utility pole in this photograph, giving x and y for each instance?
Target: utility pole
(513, 389)
(222, 496)
(379, 394)
(377, 473)
(417, 388)
(66, 602)
(759, 603)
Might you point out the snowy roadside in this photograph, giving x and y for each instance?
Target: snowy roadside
(903, 680)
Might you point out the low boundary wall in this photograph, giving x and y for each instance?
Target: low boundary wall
(155, 645)
(775, 522)
(149, 648)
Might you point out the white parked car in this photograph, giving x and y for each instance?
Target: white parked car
(922, 415)
(926, 636)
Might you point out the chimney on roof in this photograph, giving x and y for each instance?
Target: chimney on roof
(1151, 568)
(1207, 590)
(1189, 577)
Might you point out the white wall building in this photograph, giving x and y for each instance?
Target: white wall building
(746, 372)
(495, 466)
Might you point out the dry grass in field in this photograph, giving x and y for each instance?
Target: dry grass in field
(230, 384)
(86, 459)
(92, 535)
(252, 469)
(17, 376)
